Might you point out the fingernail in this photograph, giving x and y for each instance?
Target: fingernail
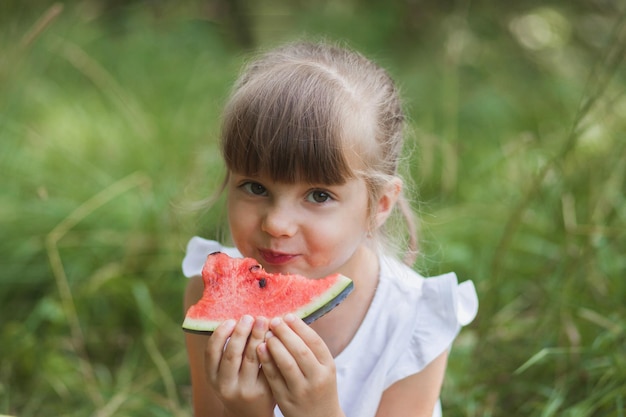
(229, 324)
(269, 334)
(260, 323)
(275, 321)
(290, 317)
(247, 320)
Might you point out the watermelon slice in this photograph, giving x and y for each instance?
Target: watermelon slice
(234, 287)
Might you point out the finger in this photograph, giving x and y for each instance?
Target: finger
(215, 347)
(303, 344)
(310, 337)
(250, 364)
(232, 356)
(289, 351)
(270, 369)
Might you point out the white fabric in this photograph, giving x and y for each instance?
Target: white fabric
(197, 251)
(410, 322)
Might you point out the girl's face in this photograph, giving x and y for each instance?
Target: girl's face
(312, 230)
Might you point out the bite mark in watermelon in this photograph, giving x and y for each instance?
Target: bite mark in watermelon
(234, 287)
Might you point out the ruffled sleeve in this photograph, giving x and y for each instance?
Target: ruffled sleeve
(197, 251)
(443, 308)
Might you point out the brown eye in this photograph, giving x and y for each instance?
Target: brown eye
(254, 188)
(318, 196)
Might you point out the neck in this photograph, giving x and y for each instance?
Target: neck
(338, 327)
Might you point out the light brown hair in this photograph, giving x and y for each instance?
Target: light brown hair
(318, 113)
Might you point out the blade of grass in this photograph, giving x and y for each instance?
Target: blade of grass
(67, 300)
(124, 384)
(108, 85)
(599, 79)
(165, 373)
(542, 354)
(146, 310)
(41, 25)
(553, 404)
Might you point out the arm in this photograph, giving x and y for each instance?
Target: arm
(417, 394)
(205, 402)
(225, 375)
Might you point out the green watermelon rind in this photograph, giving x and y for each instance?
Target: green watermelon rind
(309, 318)
(308, 313)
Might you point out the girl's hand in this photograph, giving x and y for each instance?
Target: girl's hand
(233, 369)
(299, 369)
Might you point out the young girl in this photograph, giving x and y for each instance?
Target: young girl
(311, 138)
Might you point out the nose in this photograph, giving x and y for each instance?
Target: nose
(279, 221)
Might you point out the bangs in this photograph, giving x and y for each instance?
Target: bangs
(288, 129)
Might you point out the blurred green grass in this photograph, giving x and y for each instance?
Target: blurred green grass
(107, 139)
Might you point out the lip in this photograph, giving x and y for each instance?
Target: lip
(276, 258)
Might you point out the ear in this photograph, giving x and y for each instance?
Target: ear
(387, 201)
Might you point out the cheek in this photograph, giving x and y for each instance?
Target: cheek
(240, 219)
(337, 240)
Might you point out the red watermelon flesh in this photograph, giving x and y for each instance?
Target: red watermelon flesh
(234, 287)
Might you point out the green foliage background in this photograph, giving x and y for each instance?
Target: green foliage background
(108, 117)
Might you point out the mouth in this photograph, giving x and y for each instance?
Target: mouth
(275, 258)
